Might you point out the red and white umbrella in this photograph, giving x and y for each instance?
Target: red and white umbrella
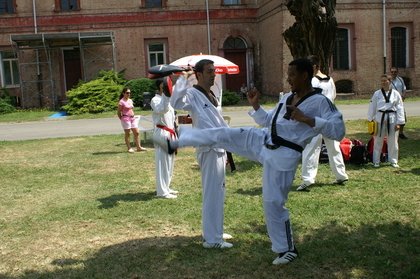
(221, 65)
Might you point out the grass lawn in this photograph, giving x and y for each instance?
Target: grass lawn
(85, 208)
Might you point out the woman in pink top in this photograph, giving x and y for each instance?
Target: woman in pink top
(128, 120)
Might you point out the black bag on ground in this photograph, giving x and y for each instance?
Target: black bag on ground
(358, 153)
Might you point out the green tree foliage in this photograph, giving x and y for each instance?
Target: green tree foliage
(95, 96)
(230, 98)
(6, 103)
(140, 86)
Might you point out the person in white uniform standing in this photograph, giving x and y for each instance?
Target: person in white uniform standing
(205, 112)
(310, 155)
(297, 118)
(387, 110)
(164, 127)
(398, 84)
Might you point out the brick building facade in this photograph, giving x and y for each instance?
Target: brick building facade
(47, 46)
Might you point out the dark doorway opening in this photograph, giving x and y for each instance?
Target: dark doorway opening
(72, 68)
(235, 50)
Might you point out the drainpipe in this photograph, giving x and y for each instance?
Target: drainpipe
(34, 11)
(38, 70)
(208, 25)
(384, 31)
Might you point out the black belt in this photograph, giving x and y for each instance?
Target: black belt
(279, 141)
(383, 118)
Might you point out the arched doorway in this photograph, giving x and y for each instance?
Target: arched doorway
(235, 50)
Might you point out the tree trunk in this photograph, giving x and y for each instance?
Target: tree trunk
(314, 31)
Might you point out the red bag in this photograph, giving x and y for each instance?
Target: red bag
(345, 146)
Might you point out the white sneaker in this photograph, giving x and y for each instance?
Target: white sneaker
(395, 165)
(131, 150)
(227, 236)
(220, 245)
(376, 165)
(303, 186)
(174, 192)
(168, 196)
(286, 257)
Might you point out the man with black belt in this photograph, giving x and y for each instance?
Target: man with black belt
(205, 112)
(299, 116)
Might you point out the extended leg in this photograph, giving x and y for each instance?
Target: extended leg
(246, 142)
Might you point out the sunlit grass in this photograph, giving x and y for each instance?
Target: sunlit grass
(85, 208)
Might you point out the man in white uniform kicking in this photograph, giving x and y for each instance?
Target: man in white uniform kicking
(310, 155)
(164, 127)
(205, 111)
(299, 116)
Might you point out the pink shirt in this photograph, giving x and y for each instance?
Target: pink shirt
(126, 109)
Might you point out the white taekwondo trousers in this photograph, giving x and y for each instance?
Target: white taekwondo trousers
(310, 155)
(163, 115)
(212, 161)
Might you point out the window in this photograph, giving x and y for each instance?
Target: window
(7, 6)
(341, 55)
(153, 4)
(156, 52)
(10, 71)
(234, 43)
(67, 5)
(399, 47)
(231, 2)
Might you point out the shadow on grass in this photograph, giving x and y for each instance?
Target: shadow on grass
(243, 165)
(333, 251)
(109, 152)
(416, 171)
(257, 191)
(112, 201)
(147, 144)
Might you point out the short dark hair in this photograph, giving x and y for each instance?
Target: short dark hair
(158, 82)
(314, 60)
(199, 66)
(303, 65)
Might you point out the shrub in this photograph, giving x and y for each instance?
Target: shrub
(138, 87)
(95, 96)
(230, 98)
(6, 103)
